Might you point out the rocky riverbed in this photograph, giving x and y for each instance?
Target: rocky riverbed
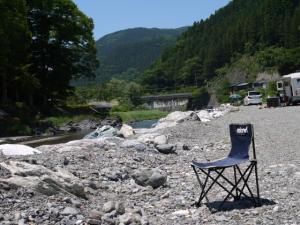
(147, 179)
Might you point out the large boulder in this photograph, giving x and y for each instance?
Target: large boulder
(160, 140)
(134, 144)
(40, 178)
(126, 131)
(83, 145)
(204, 116)
(150, 177)
(105, 131)
(174, 118)
(177, 116)
(166, 148)
(15, 150)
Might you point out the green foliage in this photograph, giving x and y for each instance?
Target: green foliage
(272, 89)
(246, 66)
(14, 44)
(133, 93)
(44, 44)
(60, 120)
(200, 98)
(126, 93)
(242, 27)
(140, 115)
(191, 70)
(14, 127)
(62, 46)
(223, 92)
(243, 93)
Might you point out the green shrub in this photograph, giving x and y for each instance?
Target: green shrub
(223, 92)
(124, 107)
(14, 127)
(242, 93)
(272, 89)
(201, 98)
(139, 115)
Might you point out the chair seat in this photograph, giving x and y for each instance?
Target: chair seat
(221, 163)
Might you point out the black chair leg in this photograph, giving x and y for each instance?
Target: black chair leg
(202, 186)
(257, 186)
(237, 197)
(245, 178)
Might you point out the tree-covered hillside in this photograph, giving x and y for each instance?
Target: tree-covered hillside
(125, 54)
(243, 26)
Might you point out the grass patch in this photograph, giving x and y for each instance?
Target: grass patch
(140, 115)
(60, 120)
(126, 116)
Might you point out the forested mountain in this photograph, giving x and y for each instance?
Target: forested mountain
(241, 27)
(125, 54)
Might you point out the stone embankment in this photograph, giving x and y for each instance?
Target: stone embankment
(144, 176)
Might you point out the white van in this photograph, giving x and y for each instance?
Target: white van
(289, 88)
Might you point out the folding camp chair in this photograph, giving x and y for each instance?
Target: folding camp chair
(241, 136)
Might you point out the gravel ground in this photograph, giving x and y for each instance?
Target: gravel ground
(113, 197)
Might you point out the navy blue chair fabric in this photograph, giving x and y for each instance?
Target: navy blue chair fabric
(241, 137)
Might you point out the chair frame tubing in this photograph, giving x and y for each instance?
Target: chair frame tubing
(243, 176)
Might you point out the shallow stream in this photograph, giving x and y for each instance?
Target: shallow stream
(38, 141)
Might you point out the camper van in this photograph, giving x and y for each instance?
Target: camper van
(289, 88)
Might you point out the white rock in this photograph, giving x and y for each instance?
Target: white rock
(126, 130)
(173, 119)
(181, 213)
(204, 116)
(216, 113)
(69, 211)
(147, 138)
(14, 150)
(161, 140)
(177, 116)
(83, 145)
(41, 178)
(104, 131)
(297, 175)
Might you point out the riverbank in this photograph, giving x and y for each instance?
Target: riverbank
(107, 173)
(60, 124)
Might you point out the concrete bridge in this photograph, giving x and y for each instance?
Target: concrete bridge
(169, 102)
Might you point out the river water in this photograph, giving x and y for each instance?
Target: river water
(143, 123)
(80, 134)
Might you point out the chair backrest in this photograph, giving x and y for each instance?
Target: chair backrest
(241, 136)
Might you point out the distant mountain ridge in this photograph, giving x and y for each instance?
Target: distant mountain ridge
(125, 54)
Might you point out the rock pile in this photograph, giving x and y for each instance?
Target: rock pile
(116, 180)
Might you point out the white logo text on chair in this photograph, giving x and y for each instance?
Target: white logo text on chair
(241, 130)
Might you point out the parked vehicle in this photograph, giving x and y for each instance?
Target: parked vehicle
(289, 88)
(253, 98)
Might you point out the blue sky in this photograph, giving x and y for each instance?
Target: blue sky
(114, 15)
